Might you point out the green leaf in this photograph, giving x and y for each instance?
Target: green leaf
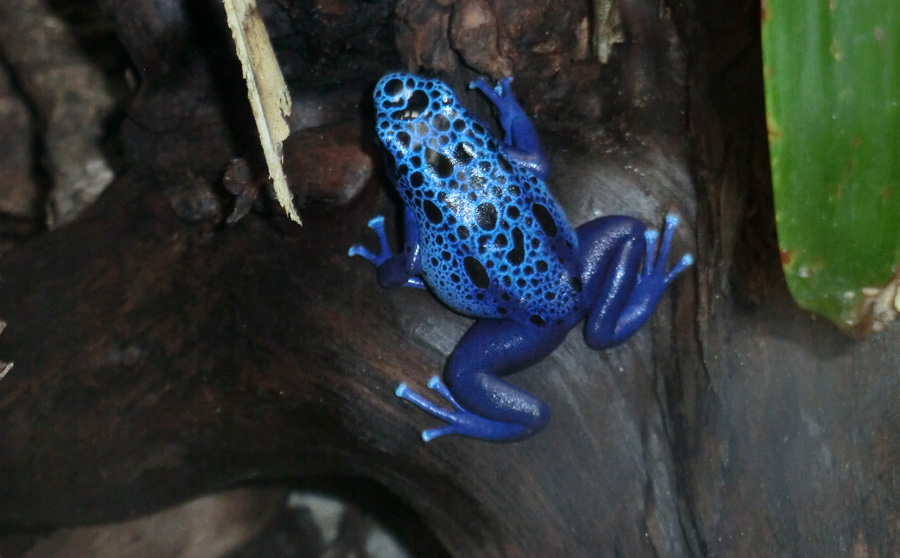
(832, 78)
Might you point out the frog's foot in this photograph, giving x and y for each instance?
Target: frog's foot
(383, 257)
(520, 143)
(459, 421)
(510, 111)
(377, 225)
(655, 263)
(499, 94)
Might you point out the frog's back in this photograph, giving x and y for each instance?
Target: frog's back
(494, 241)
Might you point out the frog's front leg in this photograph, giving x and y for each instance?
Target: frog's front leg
(484, 405)
(522, 144)
(623, 275)
(400, 270)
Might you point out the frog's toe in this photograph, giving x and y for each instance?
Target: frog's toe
(478, 84)
(650, 237)
(686, 261)
(376, 259)
(432, 433)
(503, 86)
(402, 390)
(360, 250)
(655, 261)
(495, 93)
(377, 225)
(459, 421)
(671, 221)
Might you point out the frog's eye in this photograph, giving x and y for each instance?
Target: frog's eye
(416, 105)
(464, 152)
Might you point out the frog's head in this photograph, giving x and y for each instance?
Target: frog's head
(414, 113)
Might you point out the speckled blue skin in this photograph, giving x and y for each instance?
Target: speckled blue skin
(483, 232)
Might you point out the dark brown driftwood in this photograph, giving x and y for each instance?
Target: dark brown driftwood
(158, 359)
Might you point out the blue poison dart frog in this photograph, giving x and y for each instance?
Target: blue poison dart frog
(483, 232)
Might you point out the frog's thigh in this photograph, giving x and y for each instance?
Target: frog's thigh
(612, 252)
(495, 348)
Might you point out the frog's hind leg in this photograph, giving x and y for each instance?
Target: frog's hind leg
(486, 406)
(624, 277)
(611, 251)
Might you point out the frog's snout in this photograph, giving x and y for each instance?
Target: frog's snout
(394, 85)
